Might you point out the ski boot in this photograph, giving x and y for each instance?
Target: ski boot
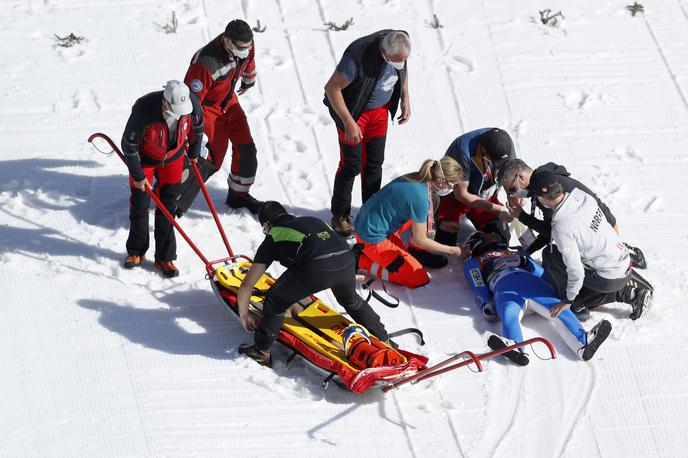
(496, 342)
(595, 337)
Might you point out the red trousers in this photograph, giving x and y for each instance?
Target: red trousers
(389, 260)
(452, 210)
(232, 125)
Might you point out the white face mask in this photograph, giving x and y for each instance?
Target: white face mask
(521, 193)
(397, 65)
(444, 191)
(240, 53)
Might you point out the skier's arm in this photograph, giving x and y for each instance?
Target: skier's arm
(482, 297)
(255, 272)
(471, 270)
(196, 134)
(534, 267)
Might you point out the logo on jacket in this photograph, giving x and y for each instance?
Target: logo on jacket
(196, 85)
(388, 84)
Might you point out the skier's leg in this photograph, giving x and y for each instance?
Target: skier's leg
(543, 298)
(509, 305)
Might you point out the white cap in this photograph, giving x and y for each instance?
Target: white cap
(177, 95)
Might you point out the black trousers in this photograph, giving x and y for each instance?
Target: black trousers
(596, 290)
(351, 165)
(301, 281)
(139, 236)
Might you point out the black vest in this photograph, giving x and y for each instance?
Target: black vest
(366, 53)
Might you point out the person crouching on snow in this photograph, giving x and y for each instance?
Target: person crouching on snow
(316, 258)
(502, 280)
(404, 202)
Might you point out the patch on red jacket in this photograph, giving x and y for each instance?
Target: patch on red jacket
(196, 85)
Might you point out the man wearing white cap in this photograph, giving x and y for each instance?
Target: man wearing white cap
(162, 127)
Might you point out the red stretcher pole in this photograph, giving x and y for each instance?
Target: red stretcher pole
(156, 199)
(194, 166)
(442, 367)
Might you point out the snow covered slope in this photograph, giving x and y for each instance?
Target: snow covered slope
(98, 361)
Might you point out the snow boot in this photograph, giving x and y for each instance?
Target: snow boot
(496, 342)
(427, 259)
(169, 270)
(638, 298)
(596, 336)
(133, 261)
(342, 225)
(261, 357)
(247, 201)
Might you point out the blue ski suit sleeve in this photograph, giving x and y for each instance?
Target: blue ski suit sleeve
(471, 270)
(534, 267)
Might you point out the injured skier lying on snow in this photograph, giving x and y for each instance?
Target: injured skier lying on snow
(503, 279)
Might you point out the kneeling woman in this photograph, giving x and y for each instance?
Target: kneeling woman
(405, 201)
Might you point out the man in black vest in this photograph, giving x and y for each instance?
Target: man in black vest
(367, 87)
(316, 259)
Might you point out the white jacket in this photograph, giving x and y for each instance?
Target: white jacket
(586, 240)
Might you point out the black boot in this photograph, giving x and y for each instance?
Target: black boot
(596, 336)
(261, 357)
(431, 260)
(637, 296)
(446, 237)
(248, 202)
(515, 356)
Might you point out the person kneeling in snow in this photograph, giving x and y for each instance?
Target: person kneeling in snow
(316, 258)
(402, 203)
(503, 279)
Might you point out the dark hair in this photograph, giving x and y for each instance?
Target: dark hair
(510, 168)
(269, 211)
(239, 31)
(497, 145)
(544, 183)
(555, 190)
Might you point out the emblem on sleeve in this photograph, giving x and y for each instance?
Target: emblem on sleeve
(196, 85)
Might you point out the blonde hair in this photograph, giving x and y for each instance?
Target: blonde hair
(445, 169)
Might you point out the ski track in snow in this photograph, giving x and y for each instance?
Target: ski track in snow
(99, 361)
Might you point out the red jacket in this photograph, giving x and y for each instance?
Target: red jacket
(214, 72)
(146, 138)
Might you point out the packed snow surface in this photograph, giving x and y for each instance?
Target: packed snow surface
(100, 361)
